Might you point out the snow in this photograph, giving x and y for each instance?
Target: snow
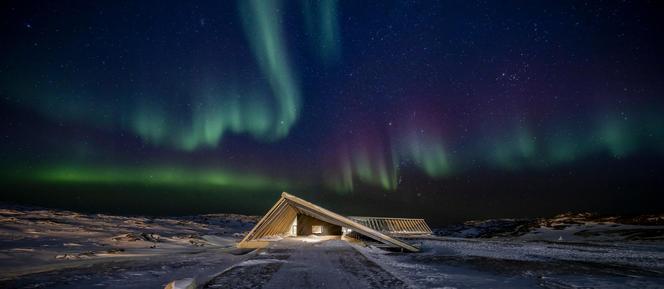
(58, 249)
(506, 263)
(186, 283)
(258, 262)
(61, 249)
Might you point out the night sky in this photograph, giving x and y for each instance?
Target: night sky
(449, 110)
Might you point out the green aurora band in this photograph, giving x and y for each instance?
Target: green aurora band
(614, 135)
(427, 151)
(151, 176)
(267, 108)
(263, 28)
(321, 22)
(357, 163)
(265, 115)
(379, 165)
(188, 115)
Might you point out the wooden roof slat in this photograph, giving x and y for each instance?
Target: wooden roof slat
(395, 225)
(277, 219)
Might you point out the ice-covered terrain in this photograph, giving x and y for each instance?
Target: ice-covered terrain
(480, 263)
(581, 227)
(566, 251)
(42, 248)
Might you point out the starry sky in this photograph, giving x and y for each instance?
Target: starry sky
(449, 110)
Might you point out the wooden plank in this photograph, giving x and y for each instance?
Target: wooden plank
(249, 236)
(279, 219)
(276, 219)
(422, 226)
(409, 223)
(265, 228)
(390, 227)
(416, 226)
(402, 226)
(395, 225)
(427, 227)
(253, 244)
(286, 220)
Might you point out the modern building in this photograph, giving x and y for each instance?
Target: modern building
(292, 216)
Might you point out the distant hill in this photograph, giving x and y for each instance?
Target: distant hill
(564, 227)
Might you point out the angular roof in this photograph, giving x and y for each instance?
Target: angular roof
(280, 217)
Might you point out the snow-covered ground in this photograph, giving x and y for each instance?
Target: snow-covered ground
(566, 251)
(481, 263)
(42, 248)
(59, 249)
(581, 227)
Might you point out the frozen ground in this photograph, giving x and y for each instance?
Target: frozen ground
(60, 249)
(566, 251)
(481, 263)
(582, 227)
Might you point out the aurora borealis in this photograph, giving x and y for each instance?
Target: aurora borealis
(461, 109)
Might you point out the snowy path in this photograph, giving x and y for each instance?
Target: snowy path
(296, 264)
